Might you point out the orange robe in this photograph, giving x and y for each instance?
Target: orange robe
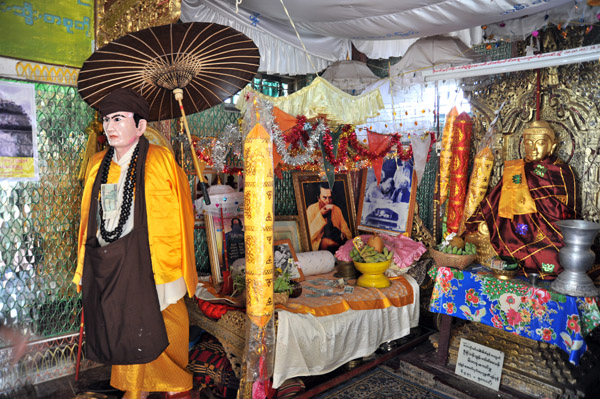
(316, 224)
(170, 218)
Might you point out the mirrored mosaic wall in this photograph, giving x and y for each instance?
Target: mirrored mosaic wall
(38, 236)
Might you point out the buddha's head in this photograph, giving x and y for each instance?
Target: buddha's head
(539, 140)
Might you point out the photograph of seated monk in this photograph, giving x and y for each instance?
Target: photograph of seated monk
(327, 225)
(521, 209)
(386, 206)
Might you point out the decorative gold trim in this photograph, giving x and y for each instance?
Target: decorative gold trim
(46, 73)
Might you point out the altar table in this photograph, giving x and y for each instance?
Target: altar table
(326, 326)
(534, 312)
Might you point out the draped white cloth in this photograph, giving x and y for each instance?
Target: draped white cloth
(280, 50)
(310, 345)
(378, 28)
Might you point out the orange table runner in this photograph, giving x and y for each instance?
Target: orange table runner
(316, 301)
(322, 297)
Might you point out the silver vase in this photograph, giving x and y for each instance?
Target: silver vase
(576, 257)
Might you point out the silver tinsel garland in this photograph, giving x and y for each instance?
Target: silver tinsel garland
(229, 140)
(265, 111)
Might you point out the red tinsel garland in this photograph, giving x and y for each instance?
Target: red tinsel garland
(343, 144)
(364, 152)
(297, 133)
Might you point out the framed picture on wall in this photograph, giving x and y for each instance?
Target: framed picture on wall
(284, 258)
(326, 214)
(288, 228)
(389, 206)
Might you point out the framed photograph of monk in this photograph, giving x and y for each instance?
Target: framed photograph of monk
(388, 207)
(326, 213)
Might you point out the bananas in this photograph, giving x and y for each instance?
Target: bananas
(368, 254)
(469, 249)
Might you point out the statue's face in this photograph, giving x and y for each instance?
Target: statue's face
(537, 146)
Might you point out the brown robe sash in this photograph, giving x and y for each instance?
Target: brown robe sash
(123, 322)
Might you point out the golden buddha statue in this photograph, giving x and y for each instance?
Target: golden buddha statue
(520, 211)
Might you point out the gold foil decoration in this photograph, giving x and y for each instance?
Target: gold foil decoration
(478, 184)
(116, 18)
(258, 221)
(93, 130)
(446, 154)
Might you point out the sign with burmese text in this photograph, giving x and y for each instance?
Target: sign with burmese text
(480, 364)
(57, 32)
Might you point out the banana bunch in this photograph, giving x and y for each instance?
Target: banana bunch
(468, 249)
(368, 254)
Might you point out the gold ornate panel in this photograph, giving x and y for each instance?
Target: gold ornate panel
(568, 100)
(116, 18)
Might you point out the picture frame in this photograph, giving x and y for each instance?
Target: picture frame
(288, 227)
(225, 242)
(284, 257)
(318, 233)
(388, 207)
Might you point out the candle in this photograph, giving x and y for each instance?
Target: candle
(258, 221)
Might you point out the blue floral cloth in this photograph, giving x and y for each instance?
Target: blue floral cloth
(515, 306)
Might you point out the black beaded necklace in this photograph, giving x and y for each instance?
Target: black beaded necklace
(112, 236)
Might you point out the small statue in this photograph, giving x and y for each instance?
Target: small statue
(481, 240)
(520, 211)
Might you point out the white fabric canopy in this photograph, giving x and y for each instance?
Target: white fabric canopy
(378, 28)
(434, 51)
(350, 76)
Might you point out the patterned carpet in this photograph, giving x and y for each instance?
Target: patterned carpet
(381, 383)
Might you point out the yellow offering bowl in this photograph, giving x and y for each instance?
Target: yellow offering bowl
(372, 274)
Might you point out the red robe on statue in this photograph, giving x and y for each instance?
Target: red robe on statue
(521, 217)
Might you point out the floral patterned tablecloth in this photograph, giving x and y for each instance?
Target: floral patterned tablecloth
(515, 306)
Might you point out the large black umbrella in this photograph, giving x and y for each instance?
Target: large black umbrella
(191, 66)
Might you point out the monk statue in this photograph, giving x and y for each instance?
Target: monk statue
(521, 210)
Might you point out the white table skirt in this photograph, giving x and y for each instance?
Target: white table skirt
(309, 345)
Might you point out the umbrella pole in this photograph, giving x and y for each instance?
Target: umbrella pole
(199, 170)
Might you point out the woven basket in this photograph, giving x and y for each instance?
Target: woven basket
(451, 260)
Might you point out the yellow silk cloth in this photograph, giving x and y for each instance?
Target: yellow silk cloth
(170, 217)
(515, 198)
(168, 372)
(321, 98)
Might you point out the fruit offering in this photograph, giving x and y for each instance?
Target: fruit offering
(455, 245)
(467, 249)
(373, 251)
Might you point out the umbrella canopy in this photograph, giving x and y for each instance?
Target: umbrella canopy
(434, 50)
(349, 76)
(210, 62)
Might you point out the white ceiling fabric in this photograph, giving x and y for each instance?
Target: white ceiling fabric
(280, 50)
(378, 28)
